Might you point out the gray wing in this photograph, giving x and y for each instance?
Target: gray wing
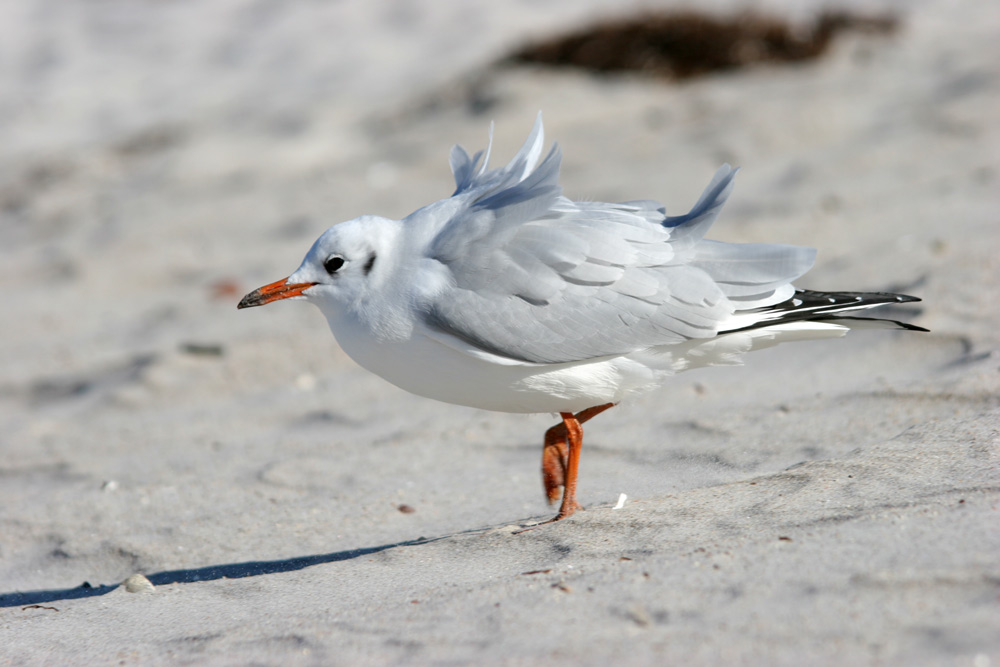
(538, 278)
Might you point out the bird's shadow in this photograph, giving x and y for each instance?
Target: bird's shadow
(209, 573)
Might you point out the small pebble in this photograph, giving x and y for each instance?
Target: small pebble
(306, 382)
(639, 616)
(138, 584)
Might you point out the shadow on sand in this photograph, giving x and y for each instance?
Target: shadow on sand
(210, 573)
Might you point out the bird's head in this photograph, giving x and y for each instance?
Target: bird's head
(339, 268)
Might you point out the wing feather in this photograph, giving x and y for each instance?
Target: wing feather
(537, 278)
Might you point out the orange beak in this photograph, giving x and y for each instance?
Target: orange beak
(273, 292)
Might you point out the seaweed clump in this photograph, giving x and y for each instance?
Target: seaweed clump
(687, 44)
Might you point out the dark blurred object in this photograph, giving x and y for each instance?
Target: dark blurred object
(203, 349)
(687, 44)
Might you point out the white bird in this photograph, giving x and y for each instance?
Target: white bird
(508, 296)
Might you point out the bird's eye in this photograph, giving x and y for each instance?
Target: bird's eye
(333, 263)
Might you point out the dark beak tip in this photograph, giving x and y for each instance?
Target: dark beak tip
(250, 300)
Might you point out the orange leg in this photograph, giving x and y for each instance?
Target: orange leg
(555, 456)
(561, 458)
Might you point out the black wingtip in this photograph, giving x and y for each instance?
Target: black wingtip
(902, 298)
(810, 305)
(908, 326)
(845, 318)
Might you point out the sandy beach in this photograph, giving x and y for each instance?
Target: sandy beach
(833, 502)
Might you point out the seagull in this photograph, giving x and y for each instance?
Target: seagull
(508, 296)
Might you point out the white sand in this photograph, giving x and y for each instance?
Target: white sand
(827, 503)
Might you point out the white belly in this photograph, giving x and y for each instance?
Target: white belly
(426, 367)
